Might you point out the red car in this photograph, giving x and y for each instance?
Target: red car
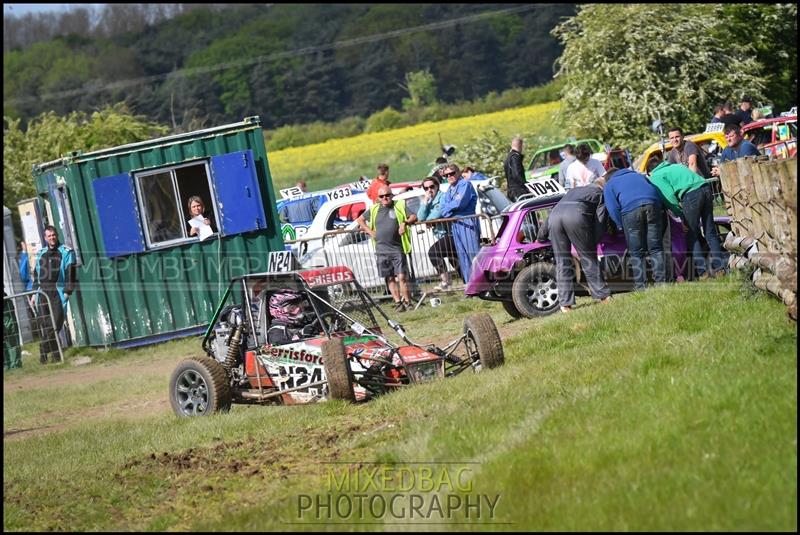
(776, 136)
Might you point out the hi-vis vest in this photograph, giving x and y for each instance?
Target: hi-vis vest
(400, 212)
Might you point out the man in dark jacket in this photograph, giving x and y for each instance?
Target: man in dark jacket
(55, 277)
(634, 205)
(515, 172)
(578, 219)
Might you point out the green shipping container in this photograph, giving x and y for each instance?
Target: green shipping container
(142, 277)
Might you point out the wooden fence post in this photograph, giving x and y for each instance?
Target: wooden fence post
(761, 199)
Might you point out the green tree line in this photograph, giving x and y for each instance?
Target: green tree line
(287, 63)
(625, 65)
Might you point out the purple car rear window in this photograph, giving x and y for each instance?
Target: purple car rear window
(503, 224)
(531, 223)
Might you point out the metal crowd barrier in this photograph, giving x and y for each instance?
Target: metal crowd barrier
(21, 306)
(356, 249)
(716, 191)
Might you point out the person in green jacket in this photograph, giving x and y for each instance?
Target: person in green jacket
(388, 226)
(11, 352)
(687, 195)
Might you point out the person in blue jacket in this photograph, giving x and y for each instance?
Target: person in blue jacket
(24, 268)
(738, 147)
(55, 276)
(634, 205)
(443, 248)
(459, 201)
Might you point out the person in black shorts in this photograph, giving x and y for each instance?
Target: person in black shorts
(389, 227)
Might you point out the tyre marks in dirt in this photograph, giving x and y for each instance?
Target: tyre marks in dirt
(126, 408)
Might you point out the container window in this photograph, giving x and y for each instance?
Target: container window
(163, 199)
(150, 209)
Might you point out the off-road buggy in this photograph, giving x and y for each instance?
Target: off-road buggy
(343, 355)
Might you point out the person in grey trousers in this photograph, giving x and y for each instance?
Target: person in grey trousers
(578, 219)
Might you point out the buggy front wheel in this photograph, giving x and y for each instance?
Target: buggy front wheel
(483, 341)
(337, 370)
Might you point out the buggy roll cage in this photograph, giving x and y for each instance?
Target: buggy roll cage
(315, 299)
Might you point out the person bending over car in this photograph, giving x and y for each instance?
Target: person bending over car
(578, 219)
(635, 206)
(688, 196)
(292, 318)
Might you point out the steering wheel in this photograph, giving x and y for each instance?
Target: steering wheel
(331, 321)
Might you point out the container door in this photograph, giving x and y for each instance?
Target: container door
(119, 216)
(237, 193)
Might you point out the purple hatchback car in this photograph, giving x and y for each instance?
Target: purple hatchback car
(520, 272)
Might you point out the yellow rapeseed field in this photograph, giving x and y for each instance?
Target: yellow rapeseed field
(407, 150)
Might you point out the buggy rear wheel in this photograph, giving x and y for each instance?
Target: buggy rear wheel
(199, 387)
(534, 290)
(483, 339)
(337, 370)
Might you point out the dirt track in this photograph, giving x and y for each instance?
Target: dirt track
(86, 376)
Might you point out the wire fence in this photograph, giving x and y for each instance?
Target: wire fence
(45, 317)
(438, 249)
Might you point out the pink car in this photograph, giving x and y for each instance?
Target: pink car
(520, 272)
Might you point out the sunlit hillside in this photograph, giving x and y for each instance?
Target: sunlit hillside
(409, 151)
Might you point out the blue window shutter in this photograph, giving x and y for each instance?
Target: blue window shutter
(237, 193)
(119, 215)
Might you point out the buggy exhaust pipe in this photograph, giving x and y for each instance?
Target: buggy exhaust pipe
(254, 394)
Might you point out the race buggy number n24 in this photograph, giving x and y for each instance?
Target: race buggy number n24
(304, 336)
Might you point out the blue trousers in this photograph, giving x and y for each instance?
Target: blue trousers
(466, 236)
(643, 229)
(698, 207)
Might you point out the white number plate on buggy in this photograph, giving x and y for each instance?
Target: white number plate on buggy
(281, 261)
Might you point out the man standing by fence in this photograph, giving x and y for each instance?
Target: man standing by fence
(738, 147)
(388, 226)
(55, 277)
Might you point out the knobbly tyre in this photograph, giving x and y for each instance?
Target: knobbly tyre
(341, 353)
